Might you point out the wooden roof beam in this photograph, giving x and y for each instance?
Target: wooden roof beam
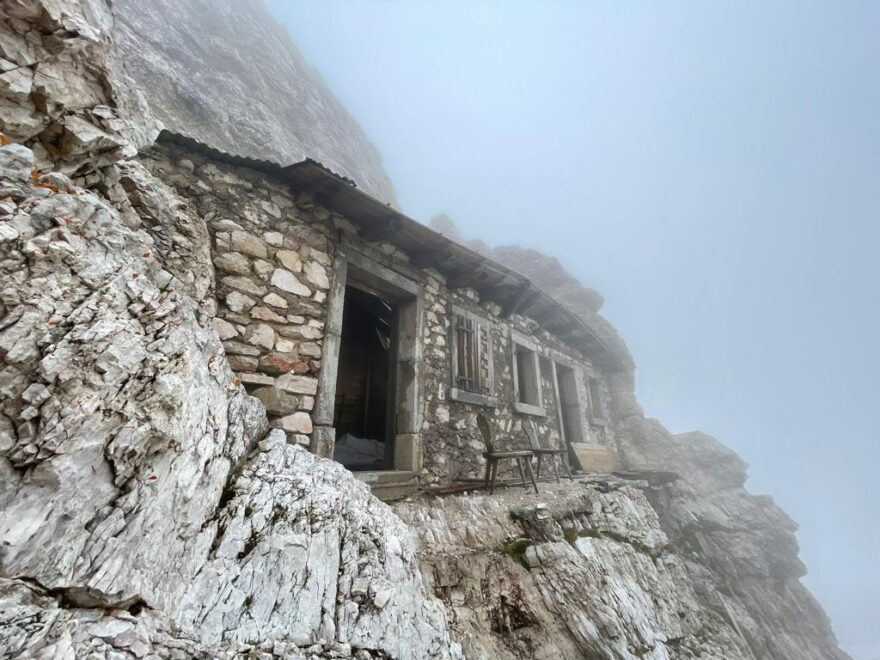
(381, 229)
(427, 258)
(472, 278)
(523, 293)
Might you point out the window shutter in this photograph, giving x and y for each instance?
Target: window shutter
(484, 366)
(472, 364)
(466, 373)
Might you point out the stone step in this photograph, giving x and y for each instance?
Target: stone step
(385, 476)
(390, 492)
(389, 485)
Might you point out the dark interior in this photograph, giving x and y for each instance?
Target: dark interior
(365, 382)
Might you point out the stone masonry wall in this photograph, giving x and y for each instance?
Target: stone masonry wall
(274, 252)
(451, 443)
(272, 264)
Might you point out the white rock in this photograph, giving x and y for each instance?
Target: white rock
(245, 285)
(286, 281)
(254, 378)
(246, 243)
(266, 314)
(297, 384)
(260, 334)
(284, 345)
(263, 268)
(290, 260)
(233, 262)
(238, 302)
(300, 422)
(225, 329)
(317, 275)
(310, 349)
(273, 238)
(275, 300)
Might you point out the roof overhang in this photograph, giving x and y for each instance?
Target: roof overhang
(426, 248)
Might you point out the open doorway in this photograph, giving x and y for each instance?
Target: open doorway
(364, 410)
(569, 408)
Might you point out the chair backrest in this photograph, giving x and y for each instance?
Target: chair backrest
(532, 433)
(486, 432)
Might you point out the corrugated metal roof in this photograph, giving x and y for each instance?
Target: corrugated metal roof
(461, 265)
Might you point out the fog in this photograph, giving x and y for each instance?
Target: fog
(713, 169)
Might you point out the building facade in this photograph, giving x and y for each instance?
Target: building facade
(375, 341)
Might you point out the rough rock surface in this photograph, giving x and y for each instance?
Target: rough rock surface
(136, 474)
(582, 570)
(606, 567)
(146, 509)
(242, 86)
(59, 91)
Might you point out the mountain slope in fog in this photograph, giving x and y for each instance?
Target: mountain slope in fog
(226, 73)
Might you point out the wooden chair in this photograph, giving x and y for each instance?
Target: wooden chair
(523, 458)
(555, 454)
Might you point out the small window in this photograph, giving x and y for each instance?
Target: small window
(527, 376)
(597, 406)
(472, 357)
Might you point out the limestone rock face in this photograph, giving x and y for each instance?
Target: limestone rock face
(740, 548)
(143, 507)
(147, 509)
(59, 91)
(253, 94)
(602, 568)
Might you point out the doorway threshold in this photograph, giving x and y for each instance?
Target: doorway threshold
(384, 476)
(389, 485)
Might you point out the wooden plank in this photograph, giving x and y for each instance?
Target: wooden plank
(594, 458)
(326, 398)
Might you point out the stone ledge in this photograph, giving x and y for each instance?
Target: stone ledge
(463, 396)
(375, 477)
(529, 409)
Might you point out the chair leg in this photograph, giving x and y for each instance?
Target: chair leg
(494, 476)
(531, 474)
(522, 472)
(556, 460)
(538, 469)
(488, 472)
(566, 466)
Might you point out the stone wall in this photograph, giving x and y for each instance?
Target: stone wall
(274, 251)
(272, 263)
(452, 445)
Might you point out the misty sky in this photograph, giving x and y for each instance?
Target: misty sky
(713, 169)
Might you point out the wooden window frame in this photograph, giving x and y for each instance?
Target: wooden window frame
(485, 385)
(598, 415)
(518, 339)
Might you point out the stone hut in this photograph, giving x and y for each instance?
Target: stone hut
(374, 340)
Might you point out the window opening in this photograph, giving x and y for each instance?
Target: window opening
(528, 378)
